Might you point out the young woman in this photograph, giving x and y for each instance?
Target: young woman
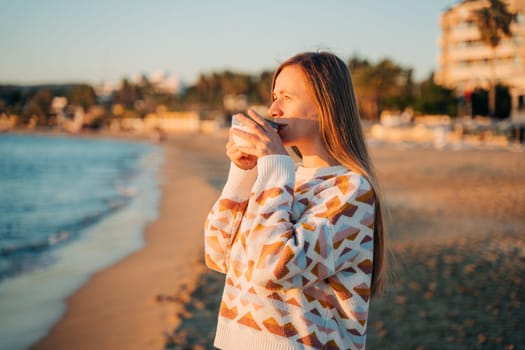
(301, 245)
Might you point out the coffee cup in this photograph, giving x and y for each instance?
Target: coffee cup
(238, 124)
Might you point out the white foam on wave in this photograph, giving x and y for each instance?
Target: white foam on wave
(31, 303)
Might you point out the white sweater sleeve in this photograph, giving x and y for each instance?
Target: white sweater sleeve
(225, 216)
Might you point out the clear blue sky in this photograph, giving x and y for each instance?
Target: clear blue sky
(51, 41)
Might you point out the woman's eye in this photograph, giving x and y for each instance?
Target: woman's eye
(282, 97)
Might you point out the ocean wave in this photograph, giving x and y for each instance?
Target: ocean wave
(18, 258)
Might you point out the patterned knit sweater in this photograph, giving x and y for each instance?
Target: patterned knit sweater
(296, 246)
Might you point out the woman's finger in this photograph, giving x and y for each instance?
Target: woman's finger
(260, 121)
(255, 123)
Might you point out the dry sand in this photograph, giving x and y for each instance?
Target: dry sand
(457, 231)
(457, 234)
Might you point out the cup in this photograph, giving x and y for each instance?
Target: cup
(238, 124)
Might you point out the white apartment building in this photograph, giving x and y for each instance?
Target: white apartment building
(465, 61)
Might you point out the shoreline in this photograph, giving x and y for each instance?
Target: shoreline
(94, 135)
(118, 307)
(33, 299)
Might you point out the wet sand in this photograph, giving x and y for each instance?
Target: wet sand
(457, 232)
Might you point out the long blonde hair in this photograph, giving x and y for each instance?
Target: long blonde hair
(330, 84)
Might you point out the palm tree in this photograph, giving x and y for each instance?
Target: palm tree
(494, 22)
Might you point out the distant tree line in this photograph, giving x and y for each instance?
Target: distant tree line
(379, 86)
(29, 101)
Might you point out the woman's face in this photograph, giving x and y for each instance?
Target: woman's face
(294, 106)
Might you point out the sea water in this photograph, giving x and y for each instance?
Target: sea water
(68, 208)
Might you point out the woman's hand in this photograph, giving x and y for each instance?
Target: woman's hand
(262, 137)
(242, 160)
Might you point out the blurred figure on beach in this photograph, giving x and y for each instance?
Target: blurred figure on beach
(301, 244)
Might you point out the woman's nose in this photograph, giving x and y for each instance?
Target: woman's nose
(274, 110)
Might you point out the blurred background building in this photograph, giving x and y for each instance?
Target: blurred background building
(466, 62)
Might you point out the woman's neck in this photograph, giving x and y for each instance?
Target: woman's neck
(315, 161)
(317, 158)
(315, 155)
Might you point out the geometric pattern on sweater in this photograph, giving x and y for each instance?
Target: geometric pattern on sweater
(297, 253)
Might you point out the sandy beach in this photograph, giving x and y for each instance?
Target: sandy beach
(457, 233)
